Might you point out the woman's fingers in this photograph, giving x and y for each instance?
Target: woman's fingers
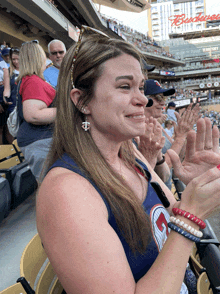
(190, 145)
(215, 139)
(208, 134)
(200, 135)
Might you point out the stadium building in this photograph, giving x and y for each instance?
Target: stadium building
(166, 17)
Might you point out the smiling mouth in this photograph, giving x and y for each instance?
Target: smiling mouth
(136, 116)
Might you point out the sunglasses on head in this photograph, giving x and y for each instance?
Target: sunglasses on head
(56, 52)
(82, 31)
(14, 50)
(33, 41)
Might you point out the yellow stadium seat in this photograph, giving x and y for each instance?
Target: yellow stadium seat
(37, 270)
(14, 289)
(203, 284)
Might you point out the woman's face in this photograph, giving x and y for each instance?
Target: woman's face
(15, 60)
(116, 110)
(156, 110)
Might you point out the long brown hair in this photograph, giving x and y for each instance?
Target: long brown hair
(70, 138)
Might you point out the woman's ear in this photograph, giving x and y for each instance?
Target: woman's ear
(75, 96)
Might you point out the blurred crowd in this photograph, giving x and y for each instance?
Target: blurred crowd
(143, 41)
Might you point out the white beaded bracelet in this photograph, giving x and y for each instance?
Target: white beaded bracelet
(188, 228)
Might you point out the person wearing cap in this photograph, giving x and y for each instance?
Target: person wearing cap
(154, 91)
(171, 107)
(4, 75)
(157, 97)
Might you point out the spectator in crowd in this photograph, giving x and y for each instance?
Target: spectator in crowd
(171, 107)
(168, 126)
(57, 50)
(11, 102)
(4, 92)
(186, 122)
(37, 112)
(14, 72)
(100, 231)
(6, 55)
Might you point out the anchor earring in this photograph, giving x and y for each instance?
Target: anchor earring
(86, 125)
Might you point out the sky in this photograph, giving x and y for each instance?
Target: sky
(138, 21)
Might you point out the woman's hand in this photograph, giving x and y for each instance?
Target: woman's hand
(202, 195)
(202, 152)
(152, 142)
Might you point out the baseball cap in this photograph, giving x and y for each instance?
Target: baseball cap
(5, 51)
(146, 66)
(172, 104)
(153, 87)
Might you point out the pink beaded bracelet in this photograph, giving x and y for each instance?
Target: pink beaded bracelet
(190, 216)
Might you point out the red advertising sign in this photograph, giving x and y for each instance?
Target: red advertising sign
(180, 19)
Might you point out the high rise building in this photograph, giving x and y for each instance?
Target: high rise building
(176, 16)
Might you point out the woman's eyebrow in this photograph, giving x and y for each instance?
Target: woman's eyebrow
(124, 78)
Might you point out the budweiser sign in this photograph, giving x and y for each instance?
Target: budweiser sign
(180, 19)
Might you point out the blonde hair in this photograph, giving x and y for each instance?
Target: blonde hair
(31, 60)
(70, 138)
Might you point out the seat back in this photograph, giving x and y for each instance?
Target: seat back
(15, 144)
(37, 270)
(203, 284)
(48, 282)
(14, 289)
(32, 260)
(8, 156)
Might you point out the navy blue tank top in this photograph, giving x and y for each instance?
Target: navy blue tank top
(159, 217)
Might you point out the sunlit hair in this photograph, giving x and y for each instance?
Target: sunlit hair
(32, 58)
(56, 41)
(70, 138)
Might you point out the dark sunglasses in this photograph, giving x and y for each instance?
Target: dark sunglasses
(56, 52)
(82, 30)
(33, 41)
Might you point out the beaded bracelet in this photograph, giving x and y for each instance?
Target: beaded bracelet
(190, 216)
(183, 233)
(188, 228)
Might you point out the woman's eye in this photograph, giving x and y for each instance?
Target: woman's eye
(126, 87)
(141, 89)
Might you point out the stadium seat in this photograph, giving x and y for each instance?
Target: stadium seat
(5, 198)
(8, 156)
(14, 289)
(15, 144)
(37, 270)
(203, 284)
(48, 282)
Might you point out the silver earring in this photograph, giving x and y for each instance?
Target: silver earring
(86, 125)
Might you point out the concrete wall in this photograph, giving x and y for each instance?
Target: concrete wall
(9, 32)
